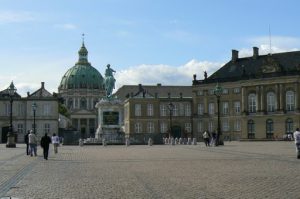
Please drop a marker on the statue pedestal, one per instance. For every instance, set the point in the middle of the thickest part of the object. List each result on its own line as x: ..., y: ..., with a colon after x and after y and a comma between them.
x: 110, y: 120
x: 11, y: 140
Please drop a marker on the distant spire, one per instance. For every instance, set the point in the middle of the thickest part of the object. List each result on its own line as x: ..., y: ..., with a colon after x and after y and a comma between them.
x: 82, y: 38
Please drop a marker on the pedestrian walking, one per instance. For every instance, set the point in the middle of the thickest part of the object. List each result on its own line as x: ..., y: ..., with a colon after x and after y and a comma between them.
x: 206, y: 138
x: 26, y: 139
x: 55, y: 142
x: 45, y: 141
x: 32, y: 140
x: 297, y: 142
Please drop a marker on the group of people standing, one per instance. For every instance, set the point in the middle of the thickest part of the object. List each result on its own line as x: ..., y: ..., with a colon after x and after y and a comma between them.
x: 31, y: 141
x: 209, y: 139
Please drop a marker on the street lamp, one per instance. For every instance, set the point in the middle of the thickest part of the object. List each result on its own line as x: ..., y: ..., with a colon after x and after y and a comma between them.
x: 218, y: 92
x: 171, y: 108
x: 34, y: 106
x: 11, y: 143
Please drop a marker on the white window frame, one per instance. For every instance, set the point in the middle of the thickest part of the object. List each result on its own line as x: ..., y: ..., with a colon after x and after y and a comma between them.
x: 237, y: 107
x: 188, y: 127
x: 187, y: 110
x: 47, y: 128
x: 200, y: 109
x: 271, y: 102
x: 138, y: 127
x: 163, y: 110
x: 149, y: 109
x: 211, y: 108
x: 252, y: 103
x: 290, y: 100
x: 138, y: 110
x: 163, y: 127
x: 150, y: 127
x: 225, y: 108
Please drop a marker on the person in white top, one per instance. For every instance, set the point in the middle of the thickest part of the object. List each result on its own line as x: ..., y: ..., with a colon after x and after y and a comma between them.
x: 55, y: 142
x: 297, y: 142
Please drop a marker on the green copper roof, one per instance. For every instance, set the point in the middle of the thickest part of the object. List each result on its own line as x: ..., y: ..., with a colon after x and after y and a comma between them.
x: 82, y: 75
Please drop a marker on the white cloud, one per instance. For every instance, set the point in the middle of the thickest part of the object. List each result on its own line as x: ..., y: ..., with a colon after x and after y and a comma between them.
x: 15, y: 17
x: 278, y: 44
x: 165, y: 74
x: 66, y: 26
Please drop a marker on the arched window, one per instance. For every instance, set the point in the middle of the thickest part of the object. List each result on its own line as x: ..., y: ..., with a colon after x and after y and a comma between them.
x: 290, y: 100
x: 252, y: 103
x: 251, y: 129
x: 289, y: 126
x: 271, y: 102
x: 269, y: 128
x: 82, y: 103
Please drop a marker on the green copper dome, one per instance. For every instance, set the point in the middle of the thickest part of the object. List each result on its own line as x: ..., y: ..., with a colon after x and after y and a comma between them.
x: 82, y: 75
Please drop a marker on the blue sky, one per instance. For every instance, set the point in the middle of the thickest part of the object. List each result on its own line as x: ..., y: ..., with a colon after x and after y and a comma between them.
x: 145, y: 41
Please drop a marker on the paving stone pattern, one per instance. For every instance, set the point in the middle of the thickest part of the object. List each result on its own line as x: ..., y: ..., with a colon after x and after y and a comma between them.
x: 236, y: 170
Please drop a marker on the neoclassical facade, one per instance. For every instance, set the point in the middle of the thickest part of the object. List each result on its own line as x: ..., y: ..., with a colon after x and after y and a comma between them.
x: 81, y: 87
x: 46, y: 114
x: 260, y: 97
x: 147, y: 109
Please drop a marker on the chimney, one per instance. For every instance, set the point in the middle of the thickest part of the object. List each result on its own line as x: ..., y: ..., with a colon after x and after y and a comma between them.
x: 156, y: 95
x: 28, y: 93
x: 43, y: 84
x: 169, y: 95
x: 255, y: 53
x: 180, y: 95
x: 235, y: 55
x: 159, y: 84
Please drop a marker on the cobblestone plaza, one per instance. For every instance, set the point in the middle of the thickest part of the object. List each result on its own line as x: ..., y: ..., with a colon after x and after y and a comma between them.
x: 236, y: 170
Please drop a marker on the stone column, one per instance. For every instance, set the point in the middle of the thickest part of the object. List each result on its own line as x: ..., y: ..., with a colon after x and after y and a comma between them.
x: 277, y: 97
x: 262, y: 96
x: 281, y: 98
x: 205, y: 111
x: 88, y: 103
x: 74, y: 104
x: 243, y: 99
x: 258, y: 97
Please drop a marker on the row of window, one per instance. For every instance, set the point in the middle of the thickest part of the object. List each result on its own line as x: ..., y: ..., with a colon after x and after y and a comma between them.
x: 82, y: 103
x: 164, y: 127
x: 225, y: 126
x: 45, y: 127
x: 178, y: 109
x: 45, y: 110
x: 225, y: 91
x: 252, y: 104
x: 272, y: 102
x: 289, y: 126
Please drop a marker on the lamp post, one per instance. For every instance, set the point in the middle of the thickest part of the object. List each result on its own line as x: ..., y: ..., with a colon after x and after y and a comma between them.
x: 171, y: 108
x: 11, y: 143
x: 34, y: 110
x: 218, y: 92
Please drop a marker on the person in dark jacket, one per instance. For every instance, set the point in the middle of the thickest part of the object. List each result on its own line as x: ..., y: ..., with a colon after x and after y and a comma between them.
x: 26, y: 139
x: 45, y: 141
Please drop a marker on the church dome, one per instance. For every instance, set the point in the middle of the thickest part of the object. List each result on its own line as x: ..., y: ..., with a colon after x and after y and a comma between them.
x: 83, y: 75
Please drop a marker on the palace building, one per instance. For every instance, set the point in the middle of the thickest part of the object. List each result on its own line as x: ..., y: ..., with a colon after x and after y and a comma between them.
x: 44, y: 120
x: 260, y: 97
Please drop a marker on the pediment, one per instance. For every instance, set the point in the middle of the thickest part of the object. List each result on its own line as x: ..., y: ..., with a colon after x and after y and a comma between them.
x: 270, y: 65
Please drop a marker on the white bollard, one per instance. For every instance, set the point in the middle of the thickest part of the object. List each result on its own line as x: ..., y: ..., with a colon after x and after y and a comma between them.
x: 180, y: 140
x: 150, y: 142
x: 194, y: 141
x: 173, y: 141
x: 127, y: 142
x: 80, y: 142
